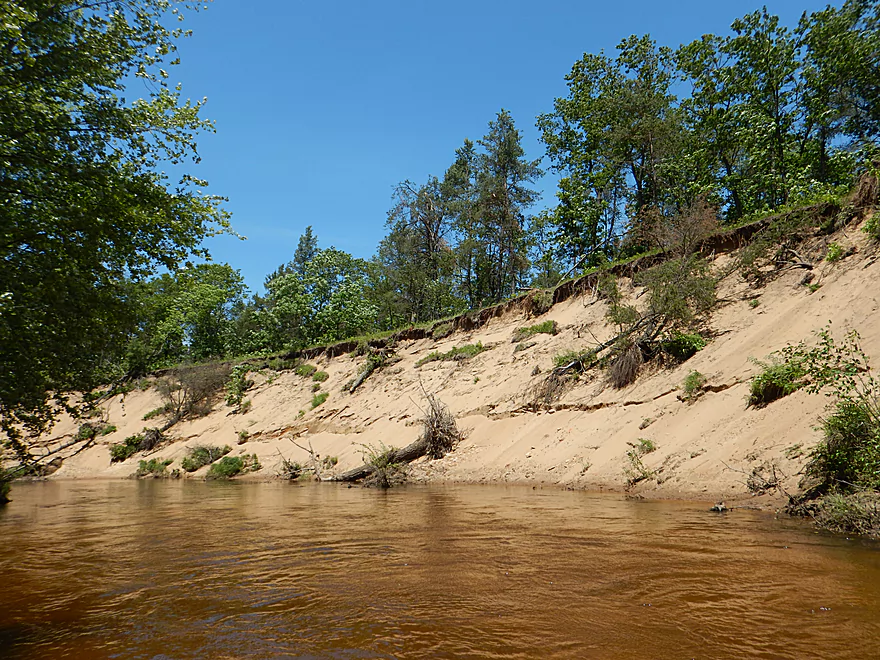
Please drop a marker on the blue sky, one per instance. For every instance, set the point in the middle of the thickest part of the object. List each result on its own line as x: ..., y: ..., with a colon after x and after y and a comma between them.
x: 322, y: 107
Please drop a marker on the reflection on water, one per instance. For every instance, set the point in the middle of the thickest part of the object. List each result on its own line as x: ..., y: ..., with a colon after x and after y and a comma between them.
x: 193, y: 570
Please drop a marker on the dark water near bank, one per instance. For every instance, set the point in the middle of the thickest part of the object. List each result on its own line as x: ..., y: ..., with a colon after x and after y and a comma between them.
x: 195, y: 570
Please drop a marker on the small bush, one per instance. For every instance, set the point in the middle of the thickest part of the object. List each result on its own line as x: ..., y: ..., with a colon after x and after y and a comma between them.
x: 539, y: 302
x: 680, y: 290
x: 305, y: 370
x: 778, y: 379
x: 457, y: 353
x: 226, y: 468
x: 386, y: 471
x: 320, y: 376
x: 238, y: 384
x: 547, y: 327
x: 857, y: 513
x: 318, y: 399
x: 108, y: 429
x: 290, y: 470
x: 230, y: 466
x: 636, y: 470
x: 329, y: 462
x: 692, y: 387
x: 202, y: 455
x: 190, y: 391
x: 442, y: 331
x: 144, y: 441
x: 155, y: 412
x: 155, y: 467
x: 645, y: 446
x: 86, y: 431
x: 682, y: 346
x: 279, y: 364
x: 243, y: 436
x: 835, y: 253
x: 245, y: 407
x: 754, y: 302
x: 848, y: 456
x: 316, y: 387
x: 121, y: 452
x: 567, y: 357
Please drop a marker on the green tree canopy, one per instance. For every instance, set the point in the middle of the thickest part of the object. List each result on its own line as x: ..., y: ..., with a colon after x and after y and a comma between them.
x: 83, y: 210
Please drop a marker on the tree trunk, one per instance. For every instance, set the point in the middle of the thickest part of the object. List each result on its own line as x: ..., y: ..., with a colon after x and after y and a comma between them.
x: 408, y: 454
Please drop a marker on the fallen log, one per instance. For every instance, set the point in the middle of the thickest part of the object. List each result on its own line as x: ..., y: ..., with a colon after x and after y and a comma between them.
x: 408, y: 454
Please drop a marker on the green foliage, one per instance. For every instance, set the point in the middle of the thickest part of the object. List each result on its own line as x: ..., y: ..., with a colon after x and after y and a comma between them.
x: 86, y: 432
x: 329, y: 462
x: 567, y: 357
x: 679, y: 290
x: 231, y: 466
x: 320, y: 376
x: 305, y: 370
x: 692, y: 387
x: 290, y: 470
x: 645, y: 446
x: 547, y: 327
x: 540, y: 302
x: 523, y: 346
x: 226, y: 468
x: 778, y: 378
x: 442, y: 331
x: 126, y: 449
x: 107, y: 429
x: 848, y: 513
x: 318, y: 399
x: 848, y: 456
x: 243, y: 436
x: 872, y: 227
x: 155, y: 412
x: 457, y: 353
x: 86, y: 212
x: 202, y: 455
x: 316, y: 387
x: 835, y: 253
x: 635, y: 470
x: 682, y: 346
x: 386, y: 470
x: 754, y: 302
x: 238, y: 384
x: 5, y: 486
x: 155, y: 467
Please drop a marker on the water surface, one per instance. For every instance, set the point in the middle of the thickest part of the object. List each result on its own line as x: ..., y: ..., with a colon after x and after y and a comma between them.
x: 156, y: 569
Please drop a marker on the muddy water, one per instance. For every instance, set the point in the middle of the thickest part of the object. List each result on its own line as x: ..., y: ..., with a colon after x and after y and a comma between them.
x: 194, y: 570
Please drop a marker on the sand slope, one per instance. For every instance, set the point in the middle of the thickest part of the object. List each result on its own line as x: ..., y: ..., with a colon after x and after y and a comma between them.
x: 704, y: 449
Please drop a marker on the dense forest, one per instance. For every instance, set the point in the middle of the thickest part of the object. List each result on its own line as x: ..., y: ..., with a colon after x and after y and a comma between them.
x: 767, y: 117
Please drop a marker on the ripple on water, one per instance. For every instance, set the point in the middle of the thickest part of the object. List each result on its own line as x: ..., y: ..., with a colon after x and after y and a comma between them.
x: 194, y: 570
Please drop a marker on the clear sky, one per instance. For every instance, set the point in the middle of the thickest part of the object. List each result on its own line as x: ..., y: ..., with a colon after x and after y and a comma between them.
x: 322, y: 107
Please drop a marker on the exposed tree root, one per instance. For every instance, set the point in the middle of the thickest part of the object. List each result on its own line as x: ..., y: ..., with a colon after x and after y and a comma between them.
x: 440, y: 435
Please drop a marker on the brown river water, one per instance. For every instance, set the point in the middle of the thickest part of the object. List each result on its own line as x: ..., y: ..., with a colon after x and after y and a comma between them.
x: 156, y: 569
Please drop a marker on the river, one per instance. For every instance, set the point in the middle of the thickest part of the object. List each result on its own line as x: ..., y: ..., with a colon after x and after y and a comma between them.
x: 166, y: 569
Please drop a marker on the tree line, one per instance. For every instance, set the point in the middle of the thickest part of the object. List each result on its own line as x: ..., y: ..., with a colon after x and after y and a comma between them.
x: 766, y: 117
